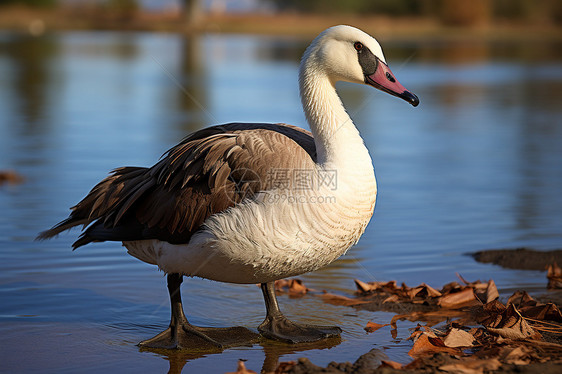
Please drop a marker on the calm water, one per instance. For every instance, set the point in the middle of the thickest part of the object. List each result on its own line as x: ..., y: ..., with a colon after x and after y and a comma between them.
x: 477, y: 165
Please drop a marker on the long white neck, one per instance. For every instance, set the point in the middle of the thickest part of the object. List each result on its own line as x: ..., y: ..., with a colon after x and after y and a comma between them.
x: 338, y: 142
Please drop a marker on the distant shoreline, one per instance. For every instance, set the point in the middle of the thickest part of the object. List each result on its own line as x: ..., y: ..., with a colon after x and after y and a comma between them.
x: 39, y: 21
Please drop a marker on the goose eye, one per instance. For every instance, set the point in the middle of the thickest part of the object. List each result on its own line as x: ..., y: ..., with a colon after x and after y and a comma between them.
x: 358, y: 46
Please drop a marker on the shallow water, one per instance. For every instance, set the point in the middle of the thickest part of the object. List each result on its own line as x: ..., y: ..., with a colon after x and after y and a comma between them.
x: 477, y: 165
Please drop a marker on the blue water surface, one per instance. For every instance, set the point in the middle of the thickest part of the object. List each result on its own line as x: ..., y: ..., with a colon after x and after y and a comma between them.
x: 477, y: 165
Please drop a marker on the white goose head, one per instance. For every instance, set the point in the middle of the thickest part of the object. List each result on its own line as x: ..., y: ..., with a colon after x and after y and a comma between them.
x: 345, y: 53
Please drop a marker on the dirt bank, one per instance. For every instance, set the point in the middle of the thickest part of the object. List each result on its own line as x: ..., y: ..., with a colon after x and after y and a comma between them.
x: 520, y: 258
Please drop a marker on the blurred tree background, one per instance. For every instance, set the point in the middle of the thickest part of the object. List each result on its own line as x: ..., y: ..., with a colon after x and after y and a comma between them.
x: 461, y: 13
x: 448, y: 12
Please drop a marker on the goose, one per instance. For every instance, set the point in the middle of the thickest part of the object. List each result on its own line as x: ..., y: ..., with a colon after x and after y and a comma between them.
x: 251, y: 203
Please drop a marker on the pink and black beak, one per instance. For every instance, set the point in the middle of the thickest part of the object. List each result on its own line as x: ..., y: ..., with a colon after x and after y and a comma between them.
x: 384, y: 80
x: 378, y: 75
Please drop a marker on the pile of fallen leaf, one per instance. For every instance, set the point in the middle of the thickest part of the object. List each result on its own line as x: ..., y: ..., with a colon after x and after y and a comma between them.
x: 522, y: 332
x: 480, y: 333
x: 452, y: 296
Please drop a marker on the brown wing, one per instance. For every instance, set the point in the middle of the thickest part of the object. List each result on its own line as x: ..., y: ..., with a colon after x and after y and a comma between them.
x: 209, y: 171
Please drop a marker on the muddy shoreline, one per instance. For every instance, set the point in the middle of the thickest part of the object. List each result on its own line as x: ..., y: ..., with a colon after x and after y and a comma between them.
x: 520, y: 258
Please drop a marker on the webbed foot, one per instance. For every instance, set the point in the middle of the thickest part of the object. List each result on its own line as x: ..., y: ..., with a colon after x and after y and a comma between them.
x: 187, y: 336
x: 283, y: 329
x: 276, y: 326
x: 183, y: 335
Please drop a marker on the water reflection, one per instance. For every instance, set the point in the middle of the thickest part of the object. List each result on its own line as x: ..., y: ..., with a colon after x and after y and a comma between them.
x: 29, y: 66
x: 475, y: 51
x: 272, y: 352
x: 540, y: 155
x: 192, y: 97
x: 476, y: 166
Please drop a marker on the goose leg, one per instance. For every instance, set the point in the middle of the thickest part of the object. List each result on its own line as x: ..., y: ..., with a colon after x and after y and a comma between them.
x: 277, y: 326
x: 183, y: 335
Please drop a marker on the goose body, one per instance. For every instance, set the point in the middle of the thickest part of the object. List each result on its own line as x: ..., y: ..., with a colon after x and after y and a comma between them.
x: 284, y: 230
x: 253, y: 203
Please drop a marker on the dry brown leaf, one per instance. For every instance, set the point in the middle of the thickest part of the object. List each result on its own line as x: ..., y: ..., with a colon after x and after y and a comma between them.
x: 521, y: 299
x: 438, y: 342
x: 416, y: 334
x: 390, y: 285
x: 414, y: 316
x: 491, y: 314
x: 458, y: 300
x: 519, y: 355
x: 241, y: 369
x: 494, y: 307
x: 373, y: 326
x: 390, y: 364
x: 391, y: 299
x: 471, y: 366
x: 480, y: 290
x: 515, y: 332
x: 362, y: 287
x: 458, y: 338
x: 413, y: 292
x: 431, y: 292
x: 493, y: 321
x: 423, y: 290
x: 396, y: 318
x: 280, y: 284
x: 10, y: 177
x: 514, y: 326
x: 284, y: 367
x: 491, y: 291
x: 546, y: 312
x: 460, y: 368
x: 426, y: 345
x: 451, y: 287
x: 365, y: 288
x: 554, y: 275
x: 485, y: 292
x: 531, y: 308
x: 295, y: 287
x: 429, y: 331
